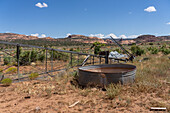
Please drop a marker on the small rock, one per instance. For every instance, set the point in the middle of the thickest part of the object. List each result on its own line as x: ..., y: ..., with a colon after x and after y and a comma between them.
x: 33, y: 64
x: 37, y: 108
x: 94, y: 89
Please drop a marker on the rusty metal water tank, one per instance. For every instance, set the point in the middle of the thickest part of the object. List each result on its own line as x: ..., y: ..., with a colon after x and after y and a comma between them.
x: 101, y: 75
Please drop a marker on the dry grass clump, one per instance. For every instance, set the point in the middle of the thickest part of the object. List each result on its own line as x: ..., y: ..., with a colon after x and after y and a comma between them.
x: 35, y: 88
x: 113, y: 90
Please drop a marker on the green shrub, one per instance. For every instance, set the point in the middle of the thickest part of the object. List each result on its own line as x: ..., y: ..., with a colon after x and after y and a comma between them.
x: 33, y: 76
x: 118, y: 50
x: 166, y: 51
x: 24, y: 58
x: 33, y: 56
x: 71, y: 49
x: 1, y: 70
x: 150, y: 43
x: 41, y: 57
x: 11, y: 70
x: 59, y: 55
x: 136, y: 50
x: 97, y: 47
x: 149, y: 48
x: 6, y: 81
x: 78, y: 49
x: 133, y: 44
x: 154, y: 50
x: 27, y: 57
x: 7, y: 60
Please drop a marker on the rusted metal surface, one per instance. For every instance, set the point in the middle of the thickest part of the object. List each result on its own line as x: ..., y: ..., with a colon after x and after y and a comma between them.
x: 102, y: 75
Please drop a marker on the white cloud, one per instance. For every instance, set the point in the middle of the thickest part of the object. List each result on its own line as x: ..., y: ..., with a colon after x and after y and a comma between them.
x: 45, y: 5
x: 133, y: 36
x: 111, y: 34
x: 42, y: 36
x: 97, y: 35
x: 168, y: 23
x: 123, y: 36
x: 150, y: 9
x: 114, y: 36
x: 36, y: 34
x: 41, y: 5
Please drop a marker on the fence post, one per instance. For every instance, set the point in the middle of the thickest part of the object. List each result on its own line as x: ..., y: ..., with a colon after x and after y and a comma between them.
x: 93, y: 60
x: 46, y: 61
x: 78, y: 60
x: 106, y: 57
x: 71, y: 59
x: 52, y: 61
x: 18, y: 52
x: 100, y: 59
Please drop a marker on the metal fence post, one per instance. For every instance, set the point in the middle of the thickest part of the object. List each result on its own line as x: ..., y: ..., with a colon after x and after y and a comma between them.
x: 78, y: 60
x: 71, y: 59
x: 106, y: 58
x: 52, y: 61
x: 100, y: 59
x: 18, y: 52
x: 46, y: 61
x: 93, y: 60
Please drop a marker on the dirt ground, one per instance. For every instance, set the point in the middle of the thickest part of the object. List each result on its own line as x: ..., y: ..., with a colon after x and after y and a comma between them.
x: 63, y: 95
x: 51, y: 96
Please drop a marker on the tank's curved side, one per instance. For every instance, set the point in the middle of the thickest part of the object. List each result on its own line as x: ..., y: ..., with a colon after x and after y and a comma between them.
x: 97, y: 78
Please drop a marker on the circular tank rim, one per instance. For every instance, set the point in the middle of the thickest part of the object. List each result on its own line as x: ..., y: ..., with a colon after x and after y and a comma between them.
x: 84, y: 68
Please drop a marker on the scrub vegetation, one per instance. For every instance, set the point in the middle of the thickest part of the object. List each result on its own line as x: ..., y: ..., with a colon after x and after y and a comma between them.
x: 57, y: 94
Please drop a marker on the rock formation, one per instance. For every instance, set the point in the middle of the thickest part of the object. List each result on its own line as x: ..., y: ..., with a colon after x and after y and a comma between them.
x: 13, y: 36
x: 85, y: 39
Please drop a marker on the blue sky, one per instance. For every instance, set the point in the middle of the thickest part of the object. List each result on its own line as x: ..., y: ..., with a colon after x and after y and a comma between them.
x: 58, y: 18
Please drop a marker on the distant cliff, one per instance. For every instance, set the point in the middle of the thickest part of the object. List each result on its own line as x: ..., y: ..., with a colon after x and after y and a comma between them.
x: 85, y: 39
x: 13, y: 36
x: 145, y: 39
x: 151, y: 38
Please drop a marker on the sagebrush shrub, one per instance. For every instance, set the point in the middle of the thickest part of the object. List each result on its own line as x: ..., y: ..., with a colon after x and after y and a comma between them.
x: 154, y: 50
x: 11, y: 70
x: 33, y: 76
x: 166, y: 51
x: 6, y: 81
